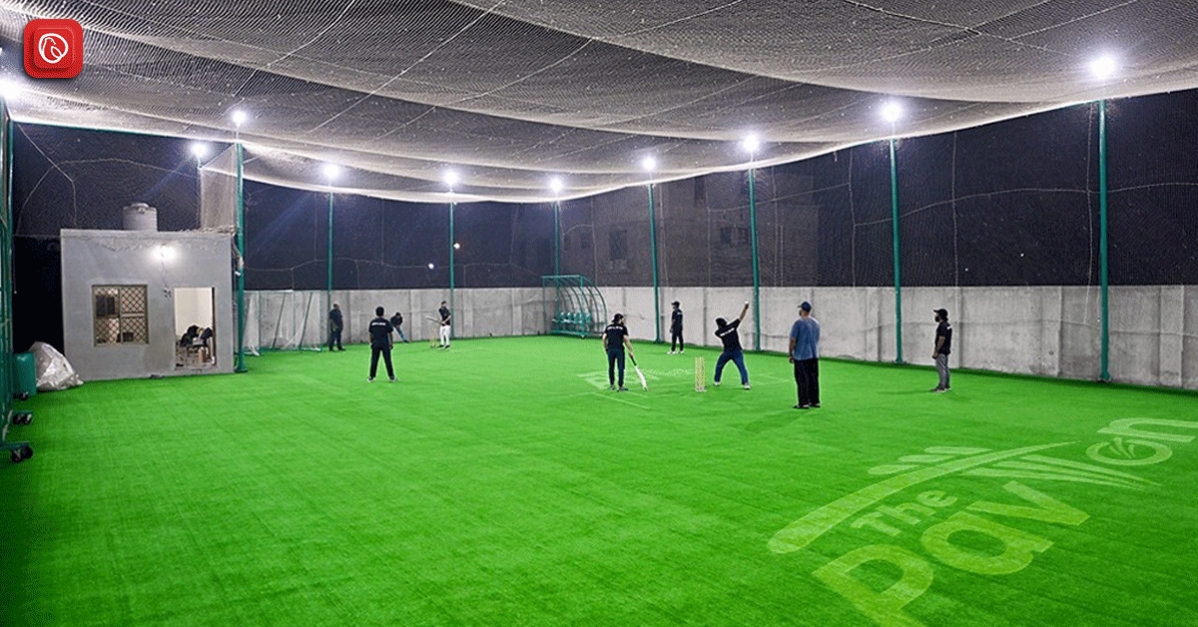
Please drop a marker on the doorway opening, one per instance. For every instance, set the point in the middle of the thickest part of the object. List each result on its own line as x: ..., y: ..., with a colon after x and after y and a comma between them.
x: 195, y: 327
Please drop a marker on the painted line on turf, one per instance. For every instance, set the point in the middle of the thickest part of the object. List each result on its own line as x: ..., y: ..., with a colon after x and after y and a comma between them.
x: 609, y: 396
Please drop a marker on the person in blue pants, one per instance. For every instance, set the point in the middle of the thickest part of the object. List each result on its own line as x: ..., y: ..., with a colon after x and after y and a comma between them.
x: 727, y: 332
x: 396, y: 321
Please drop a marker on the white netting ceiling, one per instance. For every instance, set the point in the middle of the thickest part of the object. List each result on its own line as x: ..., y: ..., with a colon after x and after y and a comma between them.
x: 511, y: 93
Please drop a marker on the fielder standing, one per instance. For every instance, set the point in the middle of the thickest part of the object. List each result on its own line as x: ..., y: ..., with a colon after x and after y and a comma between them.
x: 804, y: 354
x: 380, y: 342
x: 944, y: 345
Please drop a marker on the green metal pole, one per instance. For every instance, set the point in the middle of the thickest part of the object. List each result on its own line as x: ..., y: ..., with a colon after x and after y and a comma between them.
x: 557, y: 238
x: 329, y: 288
x: 1105, y: 374
x: 9, y: 268
x: 240, y: 367
x: 653, y: 251
x: 756, y: 264
x: 898, y: 284
x: 452, y: 311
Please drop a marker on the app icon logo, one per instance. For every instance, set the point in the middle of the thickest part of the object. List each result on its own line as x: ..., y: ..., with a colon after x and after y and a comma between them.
x: 53, y: 48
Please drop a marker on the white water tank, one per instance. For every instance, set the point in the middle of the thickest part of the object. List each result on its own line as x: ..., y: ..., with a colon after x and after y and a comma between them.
x: 140, y: 217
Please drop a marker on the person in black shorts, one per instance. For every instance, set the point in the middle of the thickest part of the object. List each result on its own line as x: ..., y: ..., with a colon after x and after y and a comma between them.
x: 615, y: 338
x: 676, y: 329
x: 380, y: 342
x: 727, y: 333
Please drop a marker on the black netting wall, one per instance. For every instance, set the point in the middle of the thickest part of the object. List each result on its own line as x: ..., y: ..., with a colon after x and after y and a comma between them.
x: 379, y: 244
x: 1153, y: 160
x: 1012, y: 203
x: 78, y: 179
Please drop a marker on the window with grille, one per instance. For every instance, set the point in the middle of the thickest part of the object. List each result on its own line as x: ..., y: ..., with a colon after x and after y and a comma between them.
x: 120, y: 314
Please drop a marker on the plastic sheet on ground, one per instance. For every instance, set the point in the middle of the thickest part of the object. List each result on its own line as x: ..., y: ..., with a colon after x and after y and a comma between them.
x: 54, y: 372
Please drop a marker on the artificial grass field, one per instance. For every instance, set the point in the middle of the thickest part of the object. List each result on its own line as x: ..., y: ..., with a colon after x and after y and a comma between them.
x: 498, y: 483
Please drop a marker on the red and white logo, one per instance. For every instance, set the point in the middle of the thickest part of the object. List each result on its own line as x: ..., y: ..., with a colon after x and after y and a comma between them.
x: 53, y: 48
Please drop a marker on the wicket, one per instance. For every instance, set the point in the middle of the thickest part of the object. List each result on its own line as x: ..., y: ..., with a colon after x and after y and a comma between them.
x: 700, y: 374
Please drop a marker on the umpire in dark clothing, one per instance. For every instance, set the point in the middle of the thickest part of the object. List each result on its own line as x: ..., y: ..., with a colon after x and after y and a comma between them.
x: 380, y: 342
x: 676, y: 328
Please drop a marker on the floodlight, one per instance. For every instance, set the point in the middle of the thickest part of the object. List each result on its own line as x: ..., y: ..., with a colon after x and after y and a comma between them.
x: 556, y: 184
x: 166, y: 253
x: 9, y: 90
x: 431, y: 266
x: 751, y: 143
x: 456, y: 246
x: 1103, y: 66
x: 451, y: 178
x: 892, y: 111
x: 200, y: 149
x: 649, y: 164
x: 239, y: 117
x: 331, y: 170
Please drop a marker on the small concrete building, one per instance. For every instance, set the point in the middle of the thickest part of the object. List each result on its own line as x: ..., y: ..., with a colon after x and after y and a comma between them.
x: 142, y: 303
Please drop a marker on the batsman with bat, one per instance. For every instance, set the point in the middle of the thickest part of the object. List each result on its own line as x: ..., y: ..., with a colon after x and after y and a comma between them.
x: 615, y: 339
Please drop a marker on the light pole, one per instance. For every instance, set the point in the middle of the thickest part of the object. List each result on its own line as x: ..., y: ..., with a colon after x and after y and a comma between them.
x: 1103, y: 68
x: 451, y: 179
x: 239, y: 119
x: 650, y: 164
x: 892, y: 111
x: 751, y: 144
x: 556, y: 185
x: 330, y: 172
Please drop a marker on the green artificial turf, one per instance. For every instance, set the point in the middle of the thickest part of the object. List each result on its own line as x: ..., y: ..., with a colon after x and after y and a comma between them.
x: 500, y: 483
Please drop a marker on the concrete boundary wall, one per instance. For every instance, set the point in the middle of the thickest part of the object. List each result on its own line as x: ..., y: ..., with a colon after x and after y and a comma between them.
x: 1050, y: 331
x: 477, y: 312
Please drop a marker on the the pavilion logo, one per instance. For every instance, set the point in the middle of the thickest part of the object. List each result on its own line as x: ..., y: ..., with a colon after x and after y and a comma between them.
x: 939, y: 516
x: 53, y: 48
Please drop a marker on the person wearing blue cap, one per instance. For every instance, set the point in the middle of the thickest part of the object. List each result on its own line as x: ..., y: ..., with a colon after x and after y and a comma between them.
x: 804, y: 354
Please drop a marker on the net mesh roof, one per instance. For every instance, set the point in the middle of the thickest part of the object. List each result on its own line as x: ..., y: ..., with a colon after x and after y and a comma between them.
x: 512, y: 93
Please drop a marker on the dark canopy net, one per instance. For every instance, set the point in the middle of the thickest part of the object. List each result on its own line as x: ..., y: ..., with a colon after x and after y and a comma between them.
x: 511, y: 92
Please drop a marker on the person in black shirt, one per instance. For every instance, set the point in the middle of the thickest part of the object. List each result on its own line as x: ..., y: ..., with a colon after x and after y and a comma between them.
x: 380, y: 342
x: 944, y: 345
x: 397, y: 320
x: 676, y: 329
x: 335, y: 326
x: 444, y: 330
x: 732, y: 351
x: 615, y: 338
